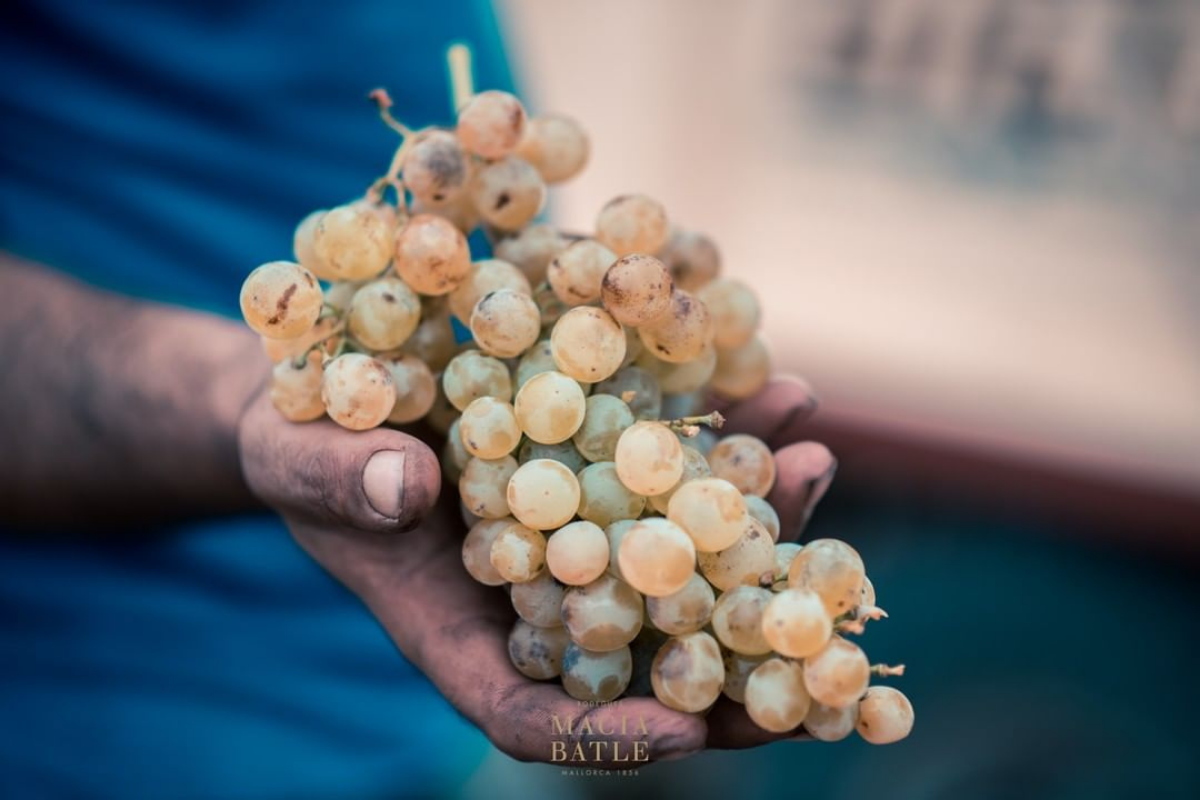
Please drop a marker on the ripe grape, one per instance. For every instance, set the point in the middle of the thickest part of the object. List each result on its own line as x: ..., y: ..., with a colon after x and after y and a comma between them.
x: 416, y: 388
x: 711, y: 510
x: 682, y: 333
x: 548, y: 303
x: 354, y: 242
x: 587, y: 344
x: 556, y: 145
x: 575, y: 274
x: 486, y: 276
x: 537, y: 653
x: 489, y: 428
x: 657, y: 557
x: 745, y: 563
x: 649, y: 458
x: 435, y: 168
x: 688, y: 672
x: 684, y: 611
x: 737, y: 672
x: 605, y: 418
x: 508, y: 193
x: 459, y: 211
x: 632, y: 223
x: 795, y: 623
x: 383, y: 314
x: 432, y: 255
x: 737, y: 620
x: 550, y: 407
x: 281, y: 300
x: 735, y: 311
x: 636, y: 289
x: 531, y: 250
x: 785, y: 553
x: 765, y: 513
x: 518, y: 553
x: 837, y: 674
x: 596, y: 677
x: 680, y: 379
x: 743, y: 372
x: 477, y: 550
x: 491, y: 124
x: 471, y: 375
x: 616, y: 534
x: 302, y: 246
x: 695, y: 466
x: 296, y: 390
x: 832, y: 569
x: 775, y: 695
x: 885, y: 715
x: 646, y: 399
x: 432, y: 341
x: 357, y: 391
x: 692, y: 258
x: 828, y: 724
x: 536, y: 360
x: 543, y: 494
x: 505, y: 323
x: 577, y: 553
x: 603, y: 499
x: 604, y: 615
x: 454, y: 455
x: 483, y: 486
x: 746, y: 462
x: 563, y: 452
x: 868, y: 592
x: 539, y: 601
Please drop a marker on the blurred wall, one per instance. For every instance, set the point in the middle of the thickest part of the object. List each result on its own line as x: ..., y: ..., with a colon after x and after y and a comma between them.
x: 973, y: 220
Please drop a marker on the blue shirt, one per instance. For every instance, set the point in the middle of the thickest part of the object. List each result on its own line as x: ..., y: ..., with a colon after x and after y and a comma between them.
x: 164, y: 150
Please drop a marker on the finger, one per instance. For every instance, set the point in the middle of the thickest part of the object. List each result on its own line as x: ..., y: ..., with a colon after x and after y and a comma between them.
x: 379, y: 480
x: 776, y: 414
x: 730, y: 728
x: 803, y: 474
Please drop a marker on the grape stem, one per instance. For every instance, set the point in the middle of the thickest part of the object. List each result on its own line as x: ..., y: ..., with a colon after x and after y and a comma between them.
x: 462, y: 79
x: 298, y: 362
x: 854, y: 620
x: 690, y: 426
x: 383, y: 101
x: 886, y: 671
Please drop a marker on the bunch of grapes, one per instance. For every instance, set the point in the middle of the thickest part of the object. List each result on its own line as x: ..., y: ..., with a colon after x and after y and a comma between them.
x: 636, y: 545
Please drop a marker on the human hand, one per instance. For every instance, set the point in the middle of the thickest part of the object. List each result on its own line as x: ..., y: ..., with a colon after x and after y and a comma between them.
x: 366, y: 506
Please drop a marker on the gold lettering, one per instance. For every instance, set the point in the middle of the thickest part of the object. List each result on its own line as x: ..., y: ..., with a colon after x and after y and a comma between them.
x: 578, y: 754
x: 585, y: 725
x: 641, y: 750
x: 558, y: 751
x: 616, y: 752
x: 557, y: 725
x: 642, y: 729
x: 600, y: 727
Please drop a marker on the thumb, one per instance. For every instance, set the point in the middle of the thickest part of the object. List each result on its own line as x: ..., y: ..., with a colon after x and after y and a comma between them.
x: 379, y: 480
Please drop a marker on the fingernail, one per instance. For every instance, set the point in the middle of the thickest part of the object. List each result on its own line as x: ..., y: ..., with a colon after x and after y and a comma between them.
x: 383, y: 482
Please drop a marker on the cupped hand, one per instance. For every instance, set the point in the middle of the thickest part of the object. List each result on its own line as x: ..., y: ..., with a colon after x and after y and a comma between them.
x: 366, y: 506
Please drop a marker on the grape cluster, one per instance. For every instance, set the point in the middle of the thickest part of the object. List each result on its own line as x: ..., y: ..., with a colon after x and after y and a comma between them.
x: 636, y: 545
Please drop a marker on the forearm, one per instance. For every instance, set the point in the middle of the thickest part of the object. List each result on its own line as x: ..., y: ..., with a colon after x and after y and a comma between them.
x: 116, y: 409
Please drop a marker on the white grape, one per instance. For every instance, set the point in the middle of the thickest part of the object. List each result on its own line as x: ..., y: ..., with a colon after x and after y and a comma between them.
x: 596, y: 677
x: 543, y: 494
x: 737, y: 620
x: 605, y: 419
x: 550, y: 407
x: 603, y: 499
x: 837, y: 674
x: 296, y: 390
x: 632, y: 223
x: 358, y: 391
x: 505, y: 323
x: 489, y: 428
x: 508, y: 193
x: 539, y: 601
x: 711, y: 510
x: 485, y: 277
x: 746, y: 462
x: 657, y: 557
x: 518, y: 553
x: 537, y: 652
x: 483, y: 486
x: 747, y: 562
x: 556, y: 145
x: 688, y: 672
x: 604, y: 615
x: 775, y: 696
x: 354, y: 242
x: 795, y: 623
x: 587, y: 344
x: 471, y: 375
x: 416, y: 388
x: 491, y: 124
x: 432, y: 255
x: 281, y: 300
x: 576, y: 273
x: 684, y: 611
x: 477, y: 550
x: 885, y: 715
x: 577, y: 553
x: 649, y: 458
x: 636, y: 289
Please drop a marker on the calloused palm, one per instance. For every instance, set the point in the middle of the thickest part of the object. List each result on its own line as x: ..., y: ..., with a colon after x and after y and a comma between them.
x: 366, y: 506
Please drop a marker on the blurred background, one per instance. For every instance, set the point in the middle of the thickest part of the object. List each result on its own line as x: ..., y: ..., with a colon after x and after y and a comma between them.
x: 975, y: 227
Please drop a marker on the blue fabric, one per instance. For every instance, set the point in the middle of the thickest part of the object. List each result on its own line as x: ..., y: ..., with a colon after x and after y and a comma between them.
x: 163, y: 150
